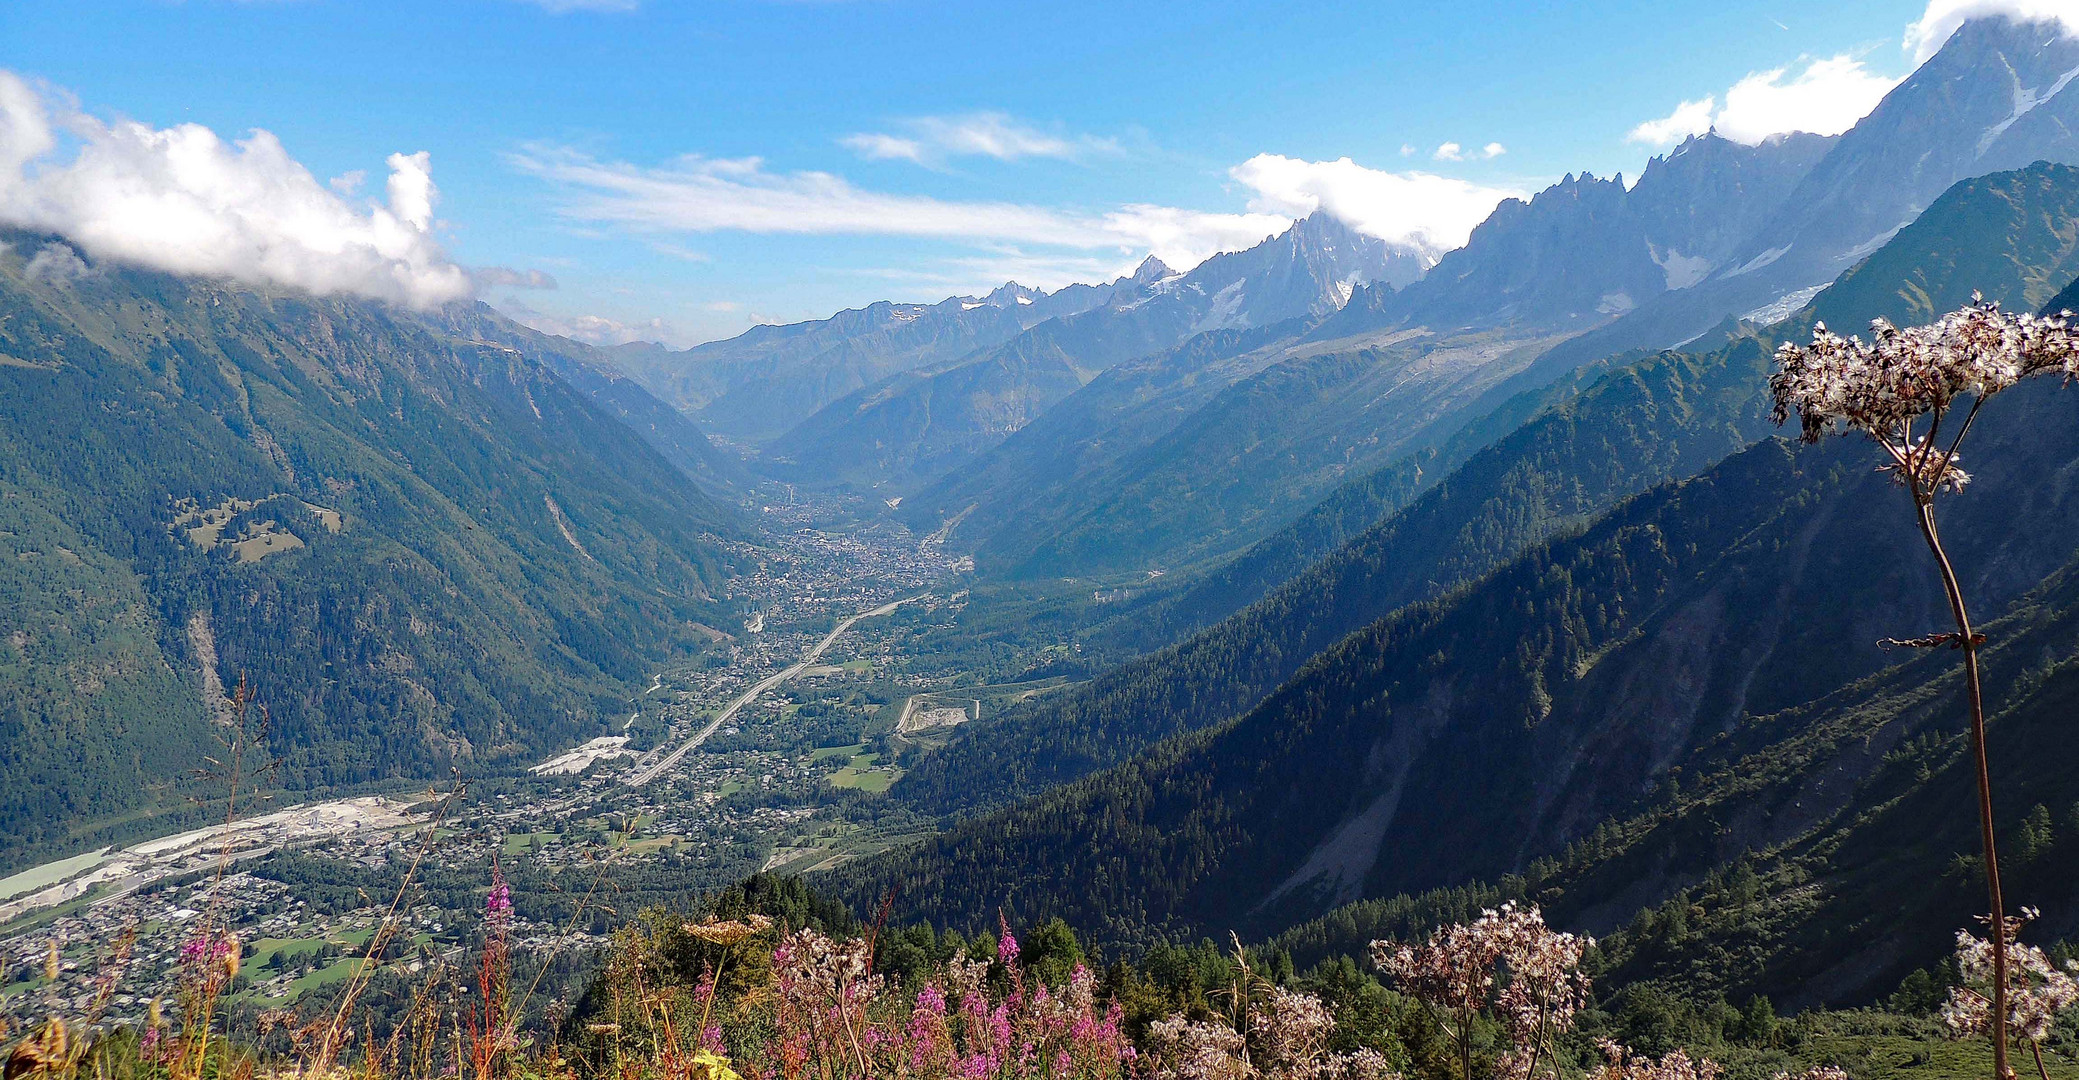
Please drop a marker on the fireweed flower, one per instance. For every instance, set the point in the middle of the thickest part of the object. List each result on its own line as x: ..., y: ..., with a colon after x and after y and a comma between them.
x: 498, y: 905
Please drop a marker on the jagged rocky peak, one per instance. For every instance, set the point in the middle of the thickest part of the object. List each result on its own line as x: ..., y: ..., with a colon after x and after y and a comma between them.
x: 1151, y: 270
x: 1701, y: 200
x: 1012, y: 294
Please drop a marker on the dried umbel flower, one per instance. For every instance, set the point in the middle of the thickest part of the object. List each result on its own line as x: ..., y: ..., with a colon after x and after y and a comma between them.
x: 1816, y: 1072
x: 1287, y: 1039
x: 1198, y: 1050
x: 1880, y: 387
x: 728, y: 932
x: 1508, y: 963
x: 1620, y: 1063
x: 2037, y: 989
x: 1899, y: 388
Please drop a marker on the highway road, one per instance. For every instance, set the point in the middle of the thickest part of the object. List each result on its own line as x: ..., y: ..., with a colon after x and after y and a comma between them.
x: 651, y: 772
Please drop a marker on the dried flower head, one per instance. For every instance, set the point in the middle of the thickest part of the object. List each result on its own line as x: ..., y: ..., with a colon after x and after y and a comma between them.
x: 1883, y: 386
x: 1621, y: 1063
x: 2037, y: 989
x: 728, y: 931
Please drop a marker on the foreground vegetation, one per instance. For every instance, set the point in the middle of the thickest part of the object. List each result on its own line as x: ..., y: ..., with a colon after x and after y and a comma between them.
x: 769, y: 980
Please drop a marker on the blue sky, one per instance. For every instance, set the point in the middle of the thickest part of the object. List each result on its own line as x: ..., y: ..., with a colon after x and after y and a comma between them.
x: 682, y: 169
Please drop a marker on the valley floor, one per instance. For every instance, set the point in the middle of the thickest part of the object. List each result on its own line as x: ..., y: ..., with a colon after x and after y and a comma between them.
x: 767, y: 752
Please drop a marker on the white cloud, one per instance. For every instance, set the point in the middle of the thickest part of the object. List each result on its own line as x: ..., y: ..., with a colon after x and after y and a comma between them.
x: 1689, y: 118
x: 1826, y: 98
x: 880, y: 147
x: 1452, y: 151
x: 679, y: 251
x: 1942, y: 17
x: 56, y: 264
x: 1420, y: 210
x: 183, y: 200
x: 929, y: 139
x: 700, y: 195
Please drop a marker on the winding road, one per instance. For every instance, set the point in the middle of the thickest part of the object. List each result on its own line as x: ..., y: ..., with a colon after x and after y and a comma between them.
x: 645, y: 775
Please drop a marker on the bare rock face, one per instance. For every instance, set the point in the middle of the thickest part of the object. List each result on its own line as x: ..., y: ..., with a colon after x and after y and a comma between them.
x: 1587, y: 250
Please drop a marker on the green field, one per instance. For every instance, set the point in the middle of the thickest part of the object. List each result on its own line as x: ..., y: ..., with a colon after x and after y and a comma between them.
x: 860, y: 773
x: 518, y: 844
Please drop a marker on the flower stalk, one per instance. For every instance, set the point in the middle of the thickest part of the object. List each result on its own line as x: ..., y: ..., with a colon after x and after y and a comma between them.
x: 1888, y: 388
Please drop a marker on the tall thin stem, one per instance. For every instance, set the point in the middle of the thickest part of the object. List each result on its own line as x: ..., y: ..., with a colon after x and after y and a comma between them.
x: 1926, y: 513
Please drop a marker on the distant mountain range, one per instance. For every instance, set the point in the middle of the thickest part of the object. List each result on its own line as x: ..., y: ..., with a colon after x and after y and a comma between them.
x: 1168, y: 422
x: 756, y: 386
x: 930, y: 421
x: 1997, y: 96
x: 1223, y: 451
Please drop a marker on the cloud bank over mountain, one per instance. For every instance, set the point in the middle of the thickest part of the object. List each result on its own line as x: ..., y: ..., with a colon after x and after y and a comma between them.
x: 1825, y: 97
x: 1943, y: 17
x: 184, y: 200
x: 1419, y: 210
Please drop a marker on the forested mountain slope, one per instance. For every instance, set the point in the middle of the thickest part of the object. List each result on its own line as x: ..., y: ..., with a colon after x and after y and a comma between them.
x: 1757, y: 866
x: 1667, y: 416
x: 719, y: 473
x: 1466, y: 737
x: 423, y: 550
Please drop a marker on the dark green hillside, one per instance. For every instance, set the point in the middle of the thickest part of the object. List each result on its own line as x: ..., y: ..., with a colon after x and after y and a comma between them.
x: 1666, y: 416
x: 1050, y: 463
x: 424, y: 550
x: 1350, y: 510
x: 1261, y: 452
x: 1454, y: 741
x: 1823, y: 853
x: 2013, y: 236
